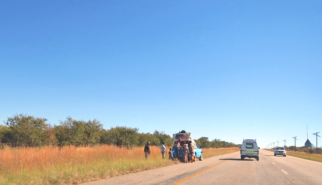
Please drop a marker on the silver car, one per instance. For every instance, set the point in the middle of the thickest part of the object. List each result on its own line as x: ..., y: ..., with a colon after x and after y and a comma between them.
x: 279, y: 151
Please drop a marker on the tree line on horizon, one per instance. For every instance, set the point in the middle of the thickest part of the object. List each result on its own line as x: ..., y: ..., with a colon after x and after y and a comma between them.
x: 28, y: 131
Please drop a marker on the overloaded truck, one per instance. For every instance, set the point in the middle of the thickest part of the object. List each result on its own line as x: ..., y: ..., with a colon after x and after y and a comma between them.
x: 184, y: 148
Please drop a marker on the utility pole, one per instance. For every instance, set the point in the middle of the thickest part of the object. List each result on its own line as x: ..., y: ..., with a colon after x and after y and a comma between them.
x: 317, y: 135
x: 295, y: 140
x: 284, y: 142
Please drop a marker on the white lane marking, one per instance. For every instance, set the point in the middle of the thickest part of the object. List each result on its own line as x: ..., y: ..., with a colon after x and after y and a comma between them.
x: 273, y: 163
x: 284, y: 171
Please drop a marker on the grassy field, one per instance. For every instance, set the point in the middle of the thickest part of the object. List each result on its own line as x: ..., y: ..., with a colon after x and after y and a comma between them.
x: 210, y: 152
x: 314, y: 157
x: 73, y: 165
x: 304, y: 155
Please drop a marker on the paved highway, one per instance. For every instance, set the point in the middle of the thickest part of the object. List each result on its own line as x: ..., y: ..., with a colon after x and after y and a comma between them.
x: 229, y: 169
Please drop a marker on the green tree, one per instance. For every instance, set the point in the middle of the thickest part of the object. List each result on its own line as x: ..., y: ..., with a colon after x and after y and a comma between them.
x: 63, y: 132
x: 93, y: 132
x: 27, y: 130
x: 75, y: 132
x: 78, y: 133
x: 104, y: 137
x: 122, y: 136
x: 203, y: 142
x: 4, y: 132
x: 145, y: 137
x: 162, y: 137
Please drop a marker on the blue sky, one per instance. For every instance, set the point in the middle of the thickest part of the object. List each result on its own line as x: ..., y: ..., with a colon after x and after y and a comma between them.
x: 229, y: 70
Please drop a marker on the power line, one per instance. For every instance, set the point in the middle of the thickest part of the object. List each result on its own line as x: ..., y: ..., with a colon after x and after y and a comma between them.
x: 317, y: 135
x: 295, y: 140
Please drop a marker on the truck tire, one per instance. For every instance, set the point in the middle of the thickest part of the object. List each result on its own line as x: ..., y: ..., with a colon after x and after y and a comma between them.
x: 242, y: 157
x: 201, y: 158
x: 257, y: 158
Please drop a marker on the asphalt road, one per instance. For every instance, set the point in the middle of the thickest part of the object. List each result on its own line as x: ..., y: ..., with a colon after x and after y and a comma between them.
x: 229, y: 169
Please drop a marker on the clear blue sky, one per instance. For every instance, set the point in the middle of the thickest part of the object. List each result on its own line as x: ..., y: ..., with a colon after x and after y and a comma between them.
x: 223, y: 69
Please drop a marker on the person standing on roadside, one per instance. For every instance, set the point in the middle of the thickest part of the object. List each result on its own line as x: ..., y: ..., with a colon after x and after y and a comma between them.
x: 178, y: 147
x: 147, y: 150
x: 170, y: 154
x: 163, y: 150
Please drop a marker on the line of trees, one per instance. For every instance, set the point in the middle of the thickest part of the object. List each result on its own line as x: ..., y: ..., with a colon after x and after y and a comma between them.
x: 25, y: 130
x: 216, y: 143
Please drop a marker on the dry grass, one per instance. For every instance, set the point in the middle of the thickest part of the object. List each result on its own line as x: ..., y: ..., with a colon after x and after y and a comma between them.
x: 70, y: 165
x: 304, y: 155
x: 314, y: 157
x: 210, y: 152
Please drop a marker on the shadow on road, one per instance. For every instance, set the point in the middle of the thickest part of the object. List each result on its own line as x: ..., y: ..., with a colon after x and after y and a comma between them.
x: 235, y: 159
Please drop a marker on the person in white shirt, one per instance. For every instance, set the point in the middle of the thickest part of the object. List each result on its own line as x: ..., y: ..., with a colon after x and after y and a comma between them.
x: 170, y: 154
x: 163, y: 150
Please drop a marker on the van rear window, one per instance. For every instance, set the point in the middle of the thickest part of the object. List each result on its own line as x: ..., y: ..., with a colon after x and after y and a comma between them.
x: 249, y: 145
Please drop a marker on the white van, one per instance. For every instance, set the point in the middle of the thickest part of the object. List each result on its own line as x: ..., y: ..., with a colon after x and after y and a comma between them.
x: 249, y: 149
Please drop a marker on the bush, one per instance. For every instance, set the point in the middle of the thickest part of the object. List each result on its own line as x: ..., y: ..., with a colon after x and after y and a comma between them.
x: 26, y: 131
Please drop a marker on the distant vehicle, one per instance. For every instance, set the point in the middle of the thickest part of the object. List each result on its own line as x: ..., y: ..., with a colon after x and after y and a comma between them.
x: 279, y: 151
x: 184, y: 138
x: 249, y: 149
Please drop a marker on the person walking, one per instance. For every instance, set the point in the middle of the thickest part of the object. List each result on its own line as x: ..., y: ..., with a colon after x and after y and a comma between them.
x: 163, y: 150
x: 147, y: 150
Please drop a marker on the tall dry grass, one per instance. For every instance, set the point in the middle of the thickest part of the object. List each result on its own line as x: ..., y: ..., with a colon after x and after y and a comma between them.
x: 304, y: 155
x: 210, y: 152
x: 53, y: 165
x: 70, y: 165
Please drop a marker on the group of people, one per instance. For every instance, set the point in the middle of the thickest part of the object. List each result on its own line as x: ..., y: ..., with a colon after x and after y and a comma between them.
x: 187, y: 148
x: 147, y: 150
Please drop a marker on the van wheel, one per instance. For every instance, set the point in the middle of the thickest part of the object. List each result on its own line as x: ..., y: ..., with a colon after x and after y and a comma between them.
x: 284, y: 155
x: 257, y: 158
x: 201, y: 158
x: 274, y: 154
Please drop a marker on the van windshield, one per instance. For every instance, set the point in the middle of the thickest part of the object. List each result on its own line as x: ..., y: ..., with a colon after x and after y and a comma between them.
x: 249, y: 145
x: 279, y: 148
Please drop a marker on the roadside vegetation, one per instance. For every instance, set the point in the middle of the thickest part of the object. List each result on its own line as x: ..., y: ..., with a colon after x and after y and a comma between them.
x: 32, y: 151
x: 28, y: 131
x: 73, y: 165
x: 210, y: 152
x: 305, y: 153
x: 304, y: 149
